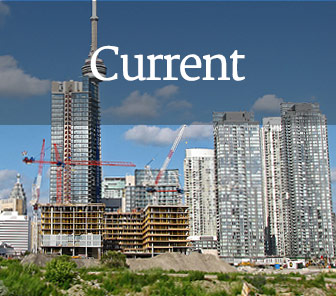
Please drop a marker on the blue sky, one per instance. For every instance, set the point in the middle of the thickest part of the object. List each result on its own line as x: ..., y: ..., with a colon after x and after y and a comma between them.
x: 289, y: 48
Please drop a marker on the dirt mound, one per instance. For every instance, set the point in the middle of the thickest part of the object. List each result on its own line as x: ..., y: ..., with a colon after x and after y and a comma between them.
x: 43, y: 259
x: 179, y: 262
x: 37, y: 259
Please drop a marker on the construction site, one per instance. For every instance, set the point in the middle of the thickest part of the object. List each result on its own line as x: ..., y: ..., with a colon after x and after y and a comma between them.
x: 155, y: 223
x: 74, y: 230
x: 86, y: 230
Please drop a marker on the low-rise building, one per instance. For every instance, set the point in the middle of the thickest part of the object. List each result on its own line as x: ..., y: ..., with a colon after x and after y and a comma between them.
x: 154, y: 230
x: 72, y: 229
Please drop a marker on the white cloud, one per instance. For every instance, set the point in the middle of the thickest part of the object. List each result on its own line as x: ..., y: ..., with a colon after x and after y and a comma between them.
x: 4, y: 10
x: 148, y: 106
x: 178, y: 105
x: 333, y: 175
x: 267, y: 103
x: 7, y: 181
x: 136, y: 105
x: 14, y: 82
x: 167, y: 91
x: 157, y: 136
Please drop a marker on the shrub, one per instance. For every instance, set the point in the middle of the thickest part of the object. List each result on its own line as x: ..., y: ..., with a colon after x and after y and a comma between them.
x: 114, y: 259
x: 258, y: 281
x: 60, y: 271
x: 195, y: 276
x: 31, y: 269
x: 223, y: 277
x: 3, y: 289
x: 19, y: 282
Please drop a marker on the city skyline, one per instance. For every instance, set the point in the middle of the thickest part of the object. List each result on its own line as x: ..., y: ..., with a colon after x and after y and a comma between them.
x: 262, y: 93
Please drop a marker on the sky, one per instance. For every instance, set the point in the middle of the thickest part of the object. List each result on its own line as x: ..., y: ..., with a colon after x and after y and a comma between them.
x: 289, y: 49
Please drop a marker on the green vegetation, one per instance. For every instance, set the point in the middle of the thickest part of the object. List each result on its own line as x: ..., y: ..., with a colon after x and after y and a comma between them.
x: 62, y: 277
x: 60, y: 271
x: 23, y: 280
x: 114, y: 259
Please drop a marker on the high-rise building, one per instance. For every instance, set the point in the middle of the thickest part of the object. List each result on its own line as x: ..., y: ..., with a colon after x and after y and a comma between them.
x: 17, y: 200
x: 240, y: 227
x: 306, y: 178
x: 272, y: 186
x: 199, y: 191
x: 114, y: 192
x: 75, y: 129
x: 14, y: 230
x: 167, y: 191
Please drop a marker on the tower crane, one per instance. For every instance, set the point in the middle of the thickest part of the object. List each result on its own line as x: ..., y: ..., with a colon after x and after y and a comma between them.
x: 66, y: 164
x: 36, y: 196
x: 153, y: 188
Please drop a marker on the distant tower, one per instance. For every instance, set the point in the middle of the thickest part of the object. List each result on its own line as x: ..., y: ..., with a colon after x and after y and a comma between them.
x: 86, y: 69
x: 306, y: 178
x: 20, y: 196
x: 272, y: 186
x: 75, y: 129
x: 199, y: 191
x: 240, y: 227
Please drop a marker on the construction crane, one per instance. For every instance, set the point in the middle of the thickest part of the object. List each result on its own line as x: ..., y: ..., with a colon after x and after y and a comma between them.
x: 38, y: 180
x: 35, y: 198
x: 65, y: 166
x: 153, y: 188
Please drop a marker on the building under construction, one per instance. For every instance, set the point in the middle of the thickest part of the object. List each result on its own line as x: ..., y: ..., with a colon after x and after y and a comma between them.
x: 87, y: 229
x: 156, y: 229
x: 74, y: 230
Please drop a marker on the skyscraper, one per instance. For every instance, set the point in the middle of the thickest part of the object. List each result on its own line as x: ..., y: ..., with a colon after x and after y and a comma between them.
x: 306, y: 178
x: 272, y: 186
x: 139, y: 197
x: 199, y: 191
x: 75, y: 129
x: 240, y: 227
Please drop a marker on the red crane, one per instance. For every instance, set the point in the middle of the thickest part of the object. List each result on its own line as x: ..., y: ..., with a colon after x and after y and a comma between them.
x: 66, y: 165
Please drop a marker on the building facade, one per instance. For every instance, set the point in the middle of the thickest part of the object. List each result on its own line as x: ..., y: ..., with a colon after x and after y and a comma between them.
x: 306, y: 178
x: 238, y: 177
x: 17, y: 200
x: 150, y: 231
x: 272, y: 186
x: 72, y: 229
x: 14, y: 231
x: 167, y: 191
x: 199, y: 191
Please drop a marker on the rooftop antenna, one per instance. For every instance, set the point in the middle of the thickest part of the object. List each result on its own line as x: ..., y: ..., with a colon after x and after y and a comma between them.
x: 86, y: 69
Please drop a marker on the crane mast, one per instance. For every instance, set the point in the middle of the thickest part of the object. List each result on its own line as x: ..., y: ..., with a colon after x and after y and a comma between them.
x: 170, y: 154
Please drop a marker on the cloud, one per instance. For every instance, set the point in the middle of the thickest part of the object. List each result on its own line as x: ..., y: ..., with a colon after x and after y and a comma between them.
x: 136, y: 105
x: 177, y: 105
x: 14, y: 82
x: 7, y: 181
x: 4, y: 10
x: 267, y: 104
x: 167, y: 91
x: 333, y: 175
x: 157, y: 136
x: 147, y: 106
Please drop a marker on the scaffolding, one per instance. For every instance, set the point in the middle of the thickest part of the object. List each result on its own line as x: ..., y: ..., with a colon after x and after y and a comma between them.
x: 152, y: 231
x: 72, y: 229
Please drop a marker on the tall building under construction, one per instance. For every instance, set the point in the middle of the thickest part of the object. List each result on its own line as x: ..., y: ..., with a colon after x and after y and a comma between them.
x: 75, y: 132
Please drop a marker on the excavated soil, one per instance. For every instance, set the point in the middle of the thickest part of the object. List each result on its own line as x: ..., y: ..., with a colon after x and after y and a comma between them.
x: 180, y: 262
x: 42, y: 260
